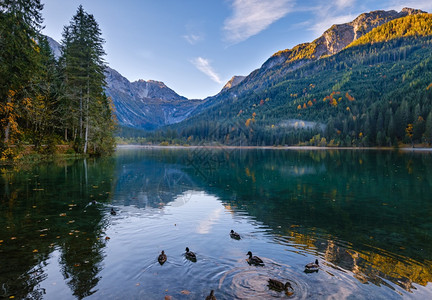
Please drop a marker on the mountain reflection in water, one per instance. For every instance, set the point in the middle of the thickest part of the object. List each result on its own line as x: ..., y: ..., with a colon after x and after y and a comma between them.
x: 366, y: 215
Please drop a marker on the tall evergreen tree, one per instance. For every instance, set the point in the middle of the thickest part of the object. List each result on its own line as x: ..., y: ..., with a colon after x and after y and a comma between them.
x: 20, y: 23
x: 85, y: 105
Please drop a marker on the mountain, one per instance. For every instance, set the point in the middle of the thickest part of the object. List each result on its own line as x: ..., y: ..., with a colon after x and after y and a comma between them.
x: 336, y: 37
x: 376, y: 91
x: 235, y: 80
x: 146, y: 104
x: 55, y: 47
x: 332, y: 41
x: 142, y: 104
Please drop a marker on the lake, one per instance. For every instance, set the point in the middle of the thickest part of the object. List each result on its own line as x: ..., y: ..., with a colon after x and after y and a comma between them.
x: 366, y: 215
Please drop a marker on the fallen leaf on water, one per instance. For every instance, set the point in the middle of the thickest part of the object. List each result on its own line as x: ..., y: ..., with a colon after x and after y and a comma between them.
x: 12, y: 297
x: 1, y: 241
x: 95, y: 187
x: 107, y: 238
x: 62, y: 215
x: 57, y: 237
x: 13, y: 238
x: 72, y: 221
x: 137, y: 284
x: 35, y: 251
x: 185, y: 292
x: 42, y: 235
x: 77, y: 265
x: 70, y: 233
x: 34, y: 206
x: 72, y: 205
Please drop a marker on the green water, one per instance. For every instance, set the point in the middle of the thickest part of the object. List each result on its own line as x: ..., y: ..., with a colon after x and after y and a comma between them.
x: 365, y: 215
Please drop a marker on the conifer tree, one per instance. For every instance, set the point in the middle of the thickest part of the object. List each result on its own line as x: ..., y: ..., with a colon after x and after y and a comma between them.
x: 20, y: 23
x: 87, y: 110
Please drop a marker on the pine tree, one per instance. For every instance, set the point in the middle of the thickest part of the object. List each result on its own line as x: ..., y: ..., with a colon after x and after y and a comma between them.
x: 42, y: 115
x: 20, y: 23
x: 83, y: 67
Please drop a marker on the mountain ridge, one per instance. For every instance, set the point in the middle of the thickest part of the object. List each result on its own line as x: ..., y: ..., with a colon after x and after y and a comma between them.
x: 331, y: 42
x: 378, y: 93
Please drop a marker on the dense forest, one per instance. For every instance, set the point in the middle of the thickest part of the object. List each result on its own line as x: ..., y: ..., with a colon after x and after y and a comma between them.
x: 46, y: 102
x: 377, y: 92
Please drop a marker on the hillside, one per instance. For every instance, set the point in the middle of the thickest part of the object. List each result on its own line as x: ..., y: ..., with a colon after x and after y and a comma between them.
x: 375, y: 93
x: 413, y: 25
x: 332, y: 41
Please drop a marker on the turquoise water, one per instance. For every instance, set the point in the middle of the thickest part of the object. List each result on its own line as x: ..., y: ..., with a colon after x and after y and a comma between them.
x: 365, y: 215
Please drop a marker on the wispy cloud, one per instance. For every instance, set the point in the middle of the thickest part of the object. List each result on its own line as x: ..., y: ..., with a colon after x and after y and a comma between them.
x: 193, y: 38
x: 250, y: 17
x: 344, y: 3
x: 336, y: 12
x: 204, y: 66
x: 326, y: 22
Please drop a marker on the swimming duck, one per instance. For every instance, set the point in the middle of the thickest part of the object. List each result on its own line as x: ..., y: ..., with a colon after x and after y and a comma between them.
x: 211, y: 296
x: 162, y: 258
x: 254, y: 260
x: 279, y: 286
x: 113, y: 212
x: 190, y: 255
x: 234, y: 235
x: 312, y: 267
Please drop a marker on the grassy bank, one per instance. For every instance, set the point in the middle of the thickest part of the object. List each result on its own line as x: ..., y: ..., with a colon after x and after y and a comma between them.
x: 28, y: 154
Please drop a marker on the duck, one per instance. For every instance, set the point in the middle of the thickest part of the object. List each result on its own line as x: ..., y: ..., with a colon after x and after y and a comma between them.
x: 162, y: 258
x: 254, y: 260
x: 234, y: 235
x: 113, y: 212
x: 211, y: 296
x: 279, y: 286
x: 190, y: 255
x: 312, y: 267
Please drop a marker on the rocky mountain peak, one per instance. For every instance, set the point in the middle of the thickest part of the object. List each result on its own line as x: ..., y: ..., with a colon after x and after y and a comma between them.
x: 235, y: 80
x: 336, y: 38
x: 412, y: 11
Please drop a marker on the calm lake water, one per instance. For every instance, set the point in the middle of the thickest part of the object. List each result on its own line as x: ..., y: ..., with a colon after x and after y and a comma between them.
x: 365, y: 215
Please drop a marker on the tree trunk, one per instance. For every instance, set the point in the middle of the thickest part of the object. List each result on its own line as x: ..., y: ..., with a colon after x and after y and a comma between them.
x: 86, y: 139
x: 7, y: 129
x: 81, y: 116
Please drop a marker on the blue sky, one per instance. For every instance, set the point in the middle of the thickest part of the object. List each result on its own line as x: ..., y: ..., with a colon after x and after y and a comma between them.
x: 195, y: 46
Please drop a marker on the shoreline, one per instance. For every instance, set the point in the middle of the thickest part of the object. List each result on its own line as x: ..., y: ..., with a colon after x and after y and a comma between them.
x: 405, y: 149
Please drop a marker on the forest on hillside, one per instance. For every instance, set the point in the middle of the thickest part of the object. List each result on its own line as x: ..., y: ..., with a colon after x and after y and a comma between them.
x: 372, y: 94
x: 45, y: 102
